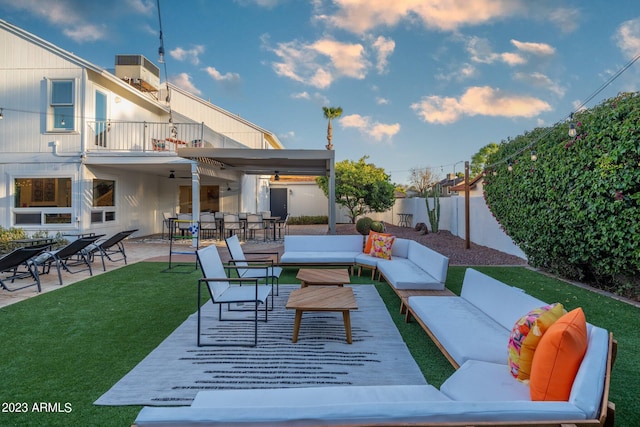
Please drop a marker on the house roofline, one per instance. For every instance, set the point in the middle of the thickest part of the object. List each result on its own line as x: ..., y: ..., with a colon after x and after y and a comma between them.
x: 472, y: 183
x: 268, y: 135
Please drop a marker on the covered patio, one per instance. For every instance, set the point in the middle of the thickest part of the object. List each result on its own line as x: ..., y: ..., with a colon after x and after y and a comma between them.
x: 262, y: 162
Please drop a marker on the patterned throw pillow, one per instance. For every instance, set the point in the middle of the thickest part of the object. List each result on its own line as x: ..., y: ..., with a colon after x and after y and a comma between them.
x: 518, y: 334
x: 367, y: 246
x: 381, y: 246
x: 530, y: 343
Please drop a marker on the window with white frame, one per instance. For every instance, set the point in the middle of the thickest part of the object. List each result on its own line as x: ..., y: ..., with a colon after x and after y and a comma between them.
x: 62, y: 105
x: 41, y: 201
x: 104, y: 200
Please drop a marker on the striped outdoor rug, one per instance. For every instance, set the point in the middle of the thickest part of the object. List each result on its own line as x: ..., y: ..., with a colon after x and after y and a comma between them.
x: 175, y: 371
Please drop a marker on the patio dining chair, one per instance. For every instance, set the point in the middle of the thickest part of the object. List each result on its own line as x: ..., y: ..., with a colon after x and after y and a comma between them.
x: 224, y: 290
x: 110, y: 248
x: 232, y: 225
x: 72, y: 255
x: 254, y: 224
x: 240, y: 261
x: 12, y: 263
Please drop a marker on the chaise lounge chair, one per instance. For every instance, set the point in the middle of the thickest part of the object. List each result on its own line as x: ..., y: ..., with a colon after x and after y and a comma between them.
x: 13, y: 261
x: 72, y: 255
x: 110, y: 247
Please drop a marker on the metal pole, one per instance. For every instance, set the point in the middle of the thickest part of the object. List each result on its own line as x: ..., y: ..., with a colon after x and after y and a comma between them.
x: 467, y: 233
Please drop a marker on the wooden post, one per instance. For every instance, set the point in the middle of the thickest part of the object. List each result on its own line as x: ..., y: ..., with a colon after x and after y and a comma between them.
x: 467, y: 233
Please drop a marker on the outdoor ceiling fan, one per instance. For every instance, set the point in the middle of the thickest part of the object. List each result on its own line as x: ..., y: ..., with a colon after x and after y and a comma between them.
x: 172, y: 175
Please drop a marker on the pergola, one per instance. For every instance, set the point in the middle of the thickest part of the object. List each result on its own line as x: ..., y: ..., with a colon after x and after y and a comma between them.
x: 266, y: 162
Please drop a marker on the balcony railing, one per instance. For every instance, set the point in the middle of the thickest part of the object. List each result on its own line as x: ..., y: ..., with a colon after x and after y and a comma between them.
x: 152, y: 137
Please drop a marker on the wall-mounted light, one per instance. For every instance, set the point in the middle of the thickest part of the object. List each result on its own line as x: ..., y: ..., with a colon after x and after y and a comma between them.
x: 172, y: 174
x: 277, y: 177
x: 1, y: 115
x: 228, y: 188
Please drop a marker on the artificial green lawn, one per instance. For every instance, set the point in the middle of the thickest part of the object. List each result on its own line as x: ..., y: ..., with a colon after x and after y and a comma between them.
x: 70, y: 346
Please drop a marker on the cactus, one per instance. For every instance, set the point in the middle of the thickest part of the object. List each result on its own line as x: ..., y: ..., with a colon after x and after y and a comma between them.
x: 434, y: 214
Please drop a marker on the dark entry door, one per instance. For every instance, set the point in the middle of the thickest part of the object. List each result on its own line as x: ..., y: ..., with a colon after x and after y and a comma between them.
x: 279, y: 202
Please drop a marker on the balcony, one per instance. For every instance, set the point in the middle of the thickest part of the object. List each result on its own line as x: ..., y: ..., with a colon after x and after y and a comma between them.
x: 149, y: 137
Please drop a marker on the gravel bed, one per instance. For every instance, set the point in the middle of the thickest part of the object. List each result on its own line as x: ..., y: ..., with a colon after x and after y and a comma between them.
x: 448, y: 245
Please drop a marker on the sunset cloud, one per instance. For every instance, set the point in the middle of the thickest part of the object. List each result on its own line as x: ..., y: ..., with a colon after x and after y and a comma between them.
x: 361, y: 16
x: 484, y: 101
x: 367, y: 126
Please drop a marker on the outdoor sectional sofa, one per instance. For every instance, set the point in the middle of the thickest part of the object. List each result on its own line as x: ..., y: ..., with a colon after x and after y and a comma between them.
x: 412, y: 265
x: 472, y: 330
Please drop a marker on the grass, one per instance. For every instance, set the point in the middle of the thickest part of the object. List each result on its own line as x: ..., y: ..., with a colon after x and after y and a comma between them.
x: 66, y: 348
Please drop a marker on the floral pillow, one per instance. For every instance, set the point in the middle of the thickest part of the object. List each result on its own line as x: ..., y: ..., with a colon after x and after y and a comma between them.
x: 381, y: 246
x: 518, y: 334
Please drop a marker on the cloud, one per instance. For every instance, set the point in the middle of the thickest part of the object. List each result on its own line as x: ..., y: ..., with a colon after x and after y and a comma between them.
x: 566, y: 19
x: 628, y: 37
x: 219, y: 77
x: 484, y: 100
x: 365, y: 125
x: 318, y: 64
x: 74, y: 17
x: 384, y: 47
x: 540, y: 49
x: 542, y: 81
x: 460, y: 73
x: 317, y: 97
x: 481, y: 51
x: 183, y: 81
x: 361, y: 16
x: 269, y: 4
x: 381, y: 101
x: 192, y: 55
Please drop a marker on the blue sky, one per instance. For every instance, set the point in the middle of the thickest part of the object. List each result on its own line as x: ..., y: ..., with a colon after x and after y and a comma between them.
x: 423, y: 83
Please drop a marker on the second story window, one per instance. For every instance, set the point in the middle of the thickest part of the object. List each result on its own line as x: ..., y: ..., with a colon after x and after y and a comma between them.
x: 62, y: 106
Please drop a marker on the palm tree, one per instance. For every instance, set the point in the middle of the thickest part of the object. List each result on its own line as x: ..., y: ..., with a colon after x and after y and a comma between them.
x: 331, y: 113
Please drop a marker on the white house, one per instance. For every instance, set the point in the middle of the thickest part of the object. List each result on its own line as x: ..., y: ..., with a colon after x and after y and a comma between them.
x: 83, y: 149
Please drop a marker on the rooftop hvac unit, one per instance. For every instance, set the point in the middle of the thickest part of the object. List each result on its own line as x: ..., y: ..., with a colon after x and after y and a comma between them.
x: 138, y: 71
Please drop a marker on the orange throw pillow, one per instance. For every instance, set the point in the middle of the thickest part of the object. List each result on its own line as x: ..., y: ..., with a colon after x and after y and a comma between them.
x: 530, y: 343
x: 367, y: 246
x: 558, y: 357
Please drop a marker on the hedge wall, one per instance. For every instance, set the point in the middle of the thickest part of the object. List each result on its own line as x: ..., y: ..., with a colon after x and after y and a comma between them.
x: 574, y: 210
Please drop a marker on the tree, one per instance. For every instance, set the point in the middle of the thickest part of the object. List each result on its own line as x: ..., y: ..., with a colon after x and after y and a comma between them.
x: 422, y: 179
x: 331, y: 113
x: 360, y: 187
x: 479, y: 160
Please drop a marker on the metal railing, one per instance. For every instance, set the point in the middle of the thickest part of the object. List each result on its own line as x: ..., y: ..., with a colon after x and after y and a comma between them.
x: 152, y: 137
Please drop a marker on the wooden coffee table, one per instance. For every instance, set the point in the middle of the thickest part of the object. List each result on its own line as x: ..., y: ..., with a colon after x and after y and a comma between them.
x: 322, y: 298
x: 323, y: 277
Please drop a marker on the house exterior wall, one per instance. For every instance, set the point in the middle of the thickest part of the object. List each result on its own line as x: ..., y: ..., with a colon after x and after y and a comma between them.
x: 120, y: 149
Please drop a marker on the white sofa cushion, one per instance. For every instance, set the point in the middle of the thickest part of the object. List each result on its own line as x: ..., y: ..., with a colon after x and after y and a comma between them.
x: 353, y: 413
x: 477, y: 380
x: 318, y: 257
x: 403, y: 273
x: 463, y: 329
x: 505, y: 304
x: 586, y: 392
x: 434, y: 263
x: 345, y: 243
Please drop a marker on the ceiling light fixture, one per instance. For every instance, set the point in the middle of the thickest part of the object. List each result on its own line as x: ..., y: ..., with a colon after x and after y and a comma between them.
x: 172, y: 174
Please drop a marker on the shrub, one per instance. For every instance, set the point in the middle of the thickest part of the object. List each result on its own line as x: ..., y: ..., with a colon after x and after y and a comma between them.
x: 363, y: 225
x: 575, y: 210
x: 377, y: 226
x: 307, y: 220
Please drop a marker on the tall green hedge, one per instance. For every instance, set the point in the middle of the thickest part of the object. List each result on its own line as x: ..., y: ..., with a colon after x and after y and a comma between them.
x: 574, y: 210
